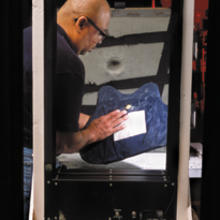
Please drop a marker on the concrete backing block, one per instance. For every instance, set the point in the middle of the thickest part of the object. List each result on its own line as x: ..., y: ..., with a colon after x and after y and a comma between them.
x: 114, y: 63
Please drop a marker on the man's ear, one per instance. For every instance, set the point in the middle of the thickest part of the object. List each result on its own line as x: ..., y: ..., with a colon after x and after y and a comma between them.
x: 82, y: 22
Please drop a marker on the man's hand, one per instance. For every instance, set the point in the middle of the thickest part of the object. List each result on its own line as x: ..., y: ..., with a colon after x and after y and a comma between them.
x: 106, y: 125
x: 99, y: 129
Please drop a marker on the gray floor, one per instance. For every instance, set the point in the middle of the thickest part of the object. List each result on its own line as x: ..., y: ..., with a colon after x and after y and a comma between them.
x: 153, y: 160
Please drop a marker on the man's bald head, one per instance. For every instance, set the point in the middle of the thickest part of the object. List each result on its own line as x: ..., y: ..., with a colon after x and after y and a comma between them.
x: 82, y: 33
x: 90, y: 8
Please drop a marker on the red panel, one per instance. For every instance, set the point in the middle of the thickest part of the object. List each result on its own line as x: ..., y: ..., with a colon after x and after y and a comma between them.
x: 166, y: 3
x: 200, y: 12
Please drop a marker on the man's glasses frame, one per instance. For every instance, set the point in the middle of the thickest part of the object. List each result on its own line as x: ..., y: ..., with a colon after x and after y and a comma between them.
x: 102, y: 33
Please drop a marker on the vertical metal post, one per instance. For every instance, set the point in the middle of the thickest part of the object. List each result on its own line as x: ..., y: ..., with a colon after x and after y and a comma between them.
x: 183, y: 191
x: 174, y: 93
x: 38, y: 109
x: 49, y: 132
x: 44, y: 48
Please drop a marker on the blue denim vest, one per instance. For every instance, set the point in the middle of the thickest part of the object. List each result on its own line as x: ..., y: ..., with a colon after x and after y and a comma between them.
x: 146, y: 98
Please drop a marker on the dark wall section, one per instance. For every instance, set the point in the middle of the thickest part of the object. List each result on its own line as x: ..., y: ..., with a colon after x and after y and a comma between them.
x: 11, y: 110
x: 212, y: 118
x: 27, y: 13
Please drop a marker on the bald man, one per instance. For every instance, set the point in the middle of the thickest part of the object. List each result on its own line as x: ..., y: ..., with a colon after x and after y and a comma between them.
x: 81, y: 25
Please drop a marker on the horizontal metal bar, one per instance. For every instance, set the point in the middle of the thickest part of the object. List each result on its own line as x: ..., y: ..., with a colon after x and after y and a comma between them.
x: 113, y: 178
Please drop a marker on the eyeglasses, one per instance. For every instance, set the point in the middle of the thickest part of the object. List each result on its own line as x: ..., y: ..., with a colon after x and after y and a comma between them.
x: 102, y: 33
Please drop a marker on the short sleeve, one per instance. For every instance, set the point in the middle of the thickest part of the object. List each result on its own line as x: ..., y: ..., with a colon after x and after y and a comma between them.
x: 67, y: 101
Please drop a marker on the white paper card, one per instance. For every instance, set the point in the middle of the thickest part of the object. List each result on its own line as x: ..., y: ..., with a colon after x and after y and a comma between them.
x: 134, y: 125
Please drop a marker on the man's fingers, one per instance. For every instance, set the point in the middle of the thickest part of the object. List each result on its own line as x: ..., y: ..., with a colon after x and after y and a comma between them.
x: 119, y: 127
x: 114, y: 115
x: 119, y: 121
x: 108, y: 124
x: 115, y: 119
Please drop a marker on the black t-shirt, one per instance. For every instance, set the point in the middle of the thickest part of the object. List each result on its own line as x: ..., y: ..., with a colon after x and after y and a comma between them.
x: 68, y: 85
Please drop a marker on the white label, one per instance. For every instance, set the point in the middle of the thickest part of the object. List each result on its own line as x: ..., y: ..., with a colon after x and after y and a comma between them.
x: 134, y: 125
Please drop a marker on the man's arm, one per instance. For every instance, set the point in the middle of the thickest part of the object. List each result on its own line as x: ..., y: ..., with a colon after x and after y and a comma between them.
x: 83, y: 119
x: 99, y: 129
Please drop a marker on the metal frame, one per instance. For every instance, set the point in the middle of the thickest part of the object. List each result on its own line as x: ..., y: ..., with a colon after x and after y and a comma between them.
x: 111, y: 194
x: 49, y: 135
